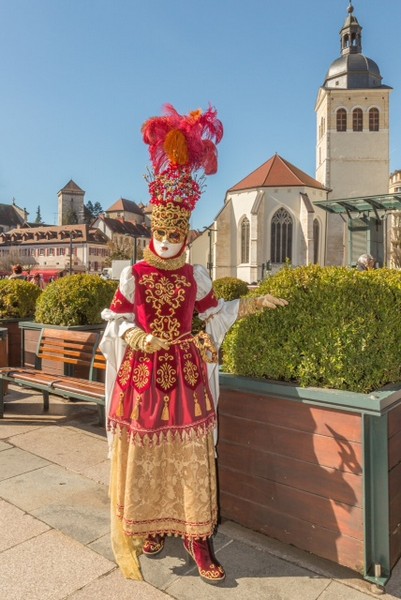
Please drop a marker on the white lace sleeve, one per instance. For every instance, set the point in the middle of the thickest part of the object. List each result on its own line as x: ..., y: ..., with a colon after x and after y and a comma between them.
x: 218, y: 318
x: 127, y: 289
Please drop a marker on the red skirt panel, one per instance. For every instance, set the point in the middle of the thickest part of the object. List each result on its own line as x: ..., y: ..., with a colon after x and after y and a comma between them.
x: 162, y: 392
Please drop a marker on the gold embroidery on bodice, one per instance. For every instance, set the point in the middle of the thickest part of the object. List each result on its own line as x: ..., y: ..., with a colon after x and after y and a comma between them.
x: 165, y: 295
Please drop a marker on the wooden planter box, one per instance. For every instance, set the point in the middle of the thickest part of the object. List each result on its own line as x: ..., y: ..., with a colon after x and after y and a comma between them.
x: 14, y: 351
x: 29, y: 332
x: 318, y: 469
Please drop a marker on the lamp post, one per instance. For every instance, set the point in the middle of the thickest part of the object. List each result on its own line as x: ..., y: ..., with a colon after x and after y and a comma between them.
x: 135, y: 249
x: 210, y: 257
x: 70, y: 270
x: 134, y: 253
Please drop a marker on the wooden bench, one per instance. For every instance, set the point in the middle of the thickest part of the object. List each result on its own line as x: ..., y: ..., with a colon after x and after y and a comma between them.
x: 67, y: 364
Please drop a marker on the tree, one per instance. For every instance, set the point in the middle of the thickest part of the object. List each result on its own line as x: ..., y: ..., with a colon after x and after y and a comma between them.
x: 94, y: 209
x: 38, y: 219
x: 122, y: 248
x: 13, y: 258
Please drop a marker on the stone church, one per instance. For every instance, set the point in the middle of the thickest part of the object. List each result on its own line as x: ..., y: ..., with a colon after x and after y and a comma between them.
x: 279, y: 213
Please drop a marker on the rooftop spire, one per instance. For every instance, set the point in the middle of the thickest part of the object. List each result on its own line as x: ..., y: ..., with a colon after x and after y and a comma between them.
x: 351, y: 34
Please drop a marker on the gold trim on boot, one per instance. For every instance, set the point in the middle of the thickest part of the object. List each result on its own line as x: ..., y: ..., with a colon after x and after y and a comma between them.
x: 201, y: 553
x: 153, y: 545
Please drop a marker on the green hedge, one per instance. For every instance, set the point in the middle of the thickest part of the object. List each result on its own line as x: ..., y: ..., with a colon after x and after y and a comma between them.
x: 17, y: 299
x: 75, y: 300
x: 230, y: 288
x: 341, y: 329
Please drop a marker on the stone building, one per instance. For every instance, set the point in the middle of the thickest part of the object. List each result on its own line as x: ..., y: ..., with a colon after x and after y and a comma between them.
x: 353, y: 152
x: 54, y: 250
x: 12, y: 216
x: 71, y: 204
x: 269, y: 218
x: 278, y: 213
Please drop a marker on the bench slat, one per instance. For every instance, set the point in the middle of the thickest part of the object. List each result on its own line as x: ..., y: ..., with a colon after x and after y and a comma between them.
x: 68, y: 347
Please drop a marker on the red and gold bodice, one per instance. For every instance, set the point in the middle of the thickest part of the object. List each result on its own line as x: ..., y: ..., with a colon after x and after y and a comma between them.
x: 164, y: 300
x: 167, y: 388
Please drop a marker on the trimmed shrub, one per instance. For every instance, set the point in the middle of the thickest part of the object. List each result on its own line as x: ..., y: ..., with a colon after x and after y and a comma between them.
x: 341, y: 329
x: 75, y: 300
x: 18, y: 299
x: 230, y: 288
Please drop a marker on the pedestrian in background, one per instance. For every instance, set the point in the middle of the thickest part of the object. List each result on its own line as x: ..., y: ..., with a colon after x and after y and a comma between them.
x: 17, y: 273
x: 365, y: 262
x: 37, y: 280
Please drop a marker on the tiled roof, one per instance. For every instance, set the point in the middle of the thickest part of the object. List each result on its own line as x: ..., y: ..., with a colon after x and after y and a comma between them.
x: 276, y: 172
x: 126, y: 227
x: 53, y: 235
x: 125, y: 205
x: 193, y: 234
x: 9, y: 217
x: 71, y: 186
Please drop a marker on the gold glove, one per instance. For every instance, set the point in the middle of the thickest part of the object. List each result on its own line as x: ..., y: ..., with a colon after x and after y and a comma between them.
x: 251, y: 306
x: 138, y: 339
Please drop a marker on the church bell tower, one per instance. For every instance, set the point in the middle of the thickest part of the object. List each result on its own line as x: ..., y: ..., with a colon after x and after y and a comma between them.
x: 352, y: 153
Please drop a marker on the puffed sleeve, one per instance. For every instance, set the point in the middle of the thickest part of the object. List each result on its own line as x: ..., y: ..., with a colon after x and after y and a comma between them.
x: 219, y: 314
x: 120, y: 315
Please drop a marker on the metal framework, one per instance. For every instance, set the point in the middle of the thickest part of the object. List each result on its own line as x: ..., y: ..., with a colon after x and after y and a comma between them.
x: 362, y: 205
x: 359, y: 211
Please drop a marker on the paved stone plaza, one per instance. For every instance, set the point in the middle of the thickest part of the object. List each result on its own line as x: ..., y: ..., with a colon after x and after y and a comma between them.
x: 54, y: 518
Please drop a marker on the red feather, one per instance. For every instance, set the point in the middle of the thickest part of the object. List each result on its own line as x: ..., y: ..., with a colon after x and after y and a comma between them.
x: 197, y: 128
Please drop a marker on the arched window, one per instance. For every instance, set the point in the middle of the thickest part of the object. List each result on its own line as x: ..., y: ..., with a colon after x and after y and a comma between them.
x: 245, y: 240
x: 281, y: 236
x: 316, y: 241
x: 374, y: 119
x: 341, y: 119
x: 357, y: 119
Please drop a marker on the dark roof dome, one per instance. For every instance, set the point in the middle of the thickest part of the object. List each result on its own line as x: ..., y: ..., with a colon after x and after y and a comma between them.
x: 352, y: 70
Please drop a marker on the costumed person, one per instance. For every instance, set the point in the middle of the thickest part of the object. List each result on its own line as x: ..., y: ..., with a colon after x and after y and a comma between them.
x: 161, y: 380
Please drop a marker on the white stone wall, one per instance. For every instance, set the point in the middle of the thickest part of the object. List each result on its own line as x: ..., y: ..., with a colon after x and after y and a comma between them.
x: 350, y: 163
x: 198, y: 253
x: 226, y: 242
x: 259, y: 206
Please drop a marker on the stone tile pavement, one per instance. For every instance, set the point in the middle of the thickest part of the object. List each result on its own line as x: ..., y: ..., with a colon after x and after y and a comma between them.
x: 54, y: 523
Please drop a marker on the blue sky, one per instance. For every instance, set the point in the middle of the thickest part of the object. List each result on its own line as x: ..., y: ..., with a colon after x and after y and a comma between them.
x: 79, y: 77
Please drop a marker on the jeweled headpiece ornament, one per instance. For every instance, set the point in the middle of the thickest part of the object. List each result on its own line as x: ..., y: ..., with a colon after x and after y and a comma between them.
x: 179, y: 147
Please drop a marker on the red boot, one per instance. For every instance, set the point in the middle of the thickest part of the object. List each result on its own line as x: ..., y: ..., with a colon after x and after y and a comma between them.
x: 153, y: 545
x: 201, y: 551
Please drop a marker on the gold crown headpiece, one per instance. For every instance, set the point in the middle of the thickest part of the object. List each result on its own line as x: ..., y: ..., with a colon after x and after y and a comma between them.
x: 180, y: 145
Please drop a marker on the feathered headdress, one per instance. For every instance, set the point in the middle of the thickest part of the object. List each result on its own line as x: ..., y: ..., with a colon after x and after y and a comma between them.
x: 179, y: 146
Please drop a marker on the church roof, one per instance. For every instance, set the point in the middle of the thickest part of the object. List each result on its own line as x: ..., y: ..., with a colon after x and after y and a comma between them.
x: 71, y: 186
x: 126, y: 227
x: 125, y: 205
x: 277, y: 172
x: 353, y: 71
x: 9, y: 217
